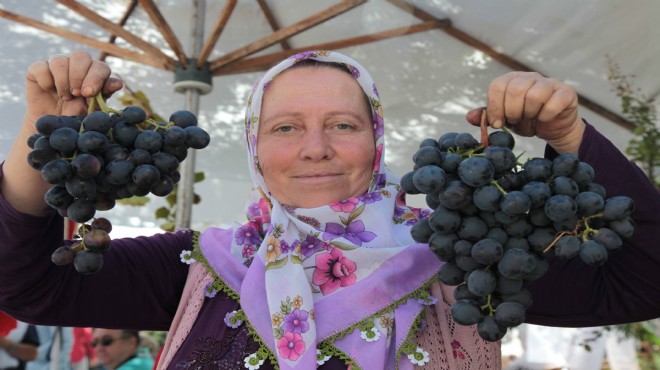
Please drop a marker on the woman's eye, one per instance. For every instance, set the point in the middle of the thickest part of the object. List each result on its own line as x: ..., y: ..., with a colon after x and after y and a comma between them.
x: 344, y: 126
x: 284, y: 129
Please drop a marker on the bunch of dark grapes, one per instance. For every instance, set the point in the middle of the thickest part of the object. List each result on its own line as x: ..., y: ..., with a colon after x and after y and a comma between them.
x: 105, y: 156
x: 496, y: 222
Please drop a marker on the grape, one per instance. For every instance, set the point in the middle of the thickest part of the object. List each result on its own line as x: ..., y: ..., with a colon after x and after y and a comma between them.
x: 444, y: 220
x: 565, y: 164
x: 429, y: 179
x: 472, y: 229
x: 515, y: 203
x: 516, y: 263
x: 56, y: 171
x: 567, y: 247
x: 97, y: 121
x: 86, y: 166
x: 150, y: 141
x: 501, y: 139
x: 608, y: 238
x: 102, y: 157
x: 476, y: 171
x: 619, y: 207
x: 466, y: 312
x: 92, y: 142
x: 496, y: 223
x: 502, y: 159
x: 481, y: 282
x: 428, y: 155
x: 125, y: 133
x: 487, y: 198
x: 510, y: 314
x: 145, y: 176
x: 538, y: 193
x: 97, y: 240
x: 456, y: 195
x: 490, y: 330
x: 593, y: 253
x: 133, y: 115
x: 565, y: 185
x: 451, y: 274
x: 163, y: 186
x: 64, y: 140
x: 560, y: 207
x: 443, y: 245
x: 45, y: 125
x: 88, y: 262
x: 63, y: 255
x: 183, y: 119
x: 487, y: 251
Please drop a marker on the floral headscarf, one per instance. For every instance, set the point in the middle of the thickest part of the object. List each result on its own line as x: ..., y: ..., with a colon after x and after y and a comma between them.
x: 332, y: 280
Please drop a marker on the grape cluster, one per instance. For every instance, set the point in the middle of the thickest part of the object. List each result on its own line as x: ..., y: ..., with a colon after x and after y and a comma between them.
x: 104, y: 156
x: 496, y: 221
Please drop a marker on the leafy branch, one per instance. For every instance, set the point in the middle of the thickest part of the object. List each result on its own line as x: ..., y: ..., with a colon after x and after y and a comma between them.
x: 643, y: 147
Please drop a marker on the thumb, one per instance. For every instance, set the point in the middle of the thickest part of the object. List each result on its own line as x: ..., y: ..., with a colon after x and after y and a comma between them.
x: 474, y: 116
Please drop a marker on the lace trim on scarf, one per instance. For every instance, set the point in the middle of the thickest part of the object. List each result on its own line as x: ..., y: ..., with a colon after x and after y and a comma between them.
x: 326, y: 346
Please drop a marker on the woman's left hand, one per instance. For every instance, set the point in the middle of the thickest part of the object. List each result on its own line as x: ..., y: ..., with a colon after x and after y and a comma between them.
x: 533, y: 105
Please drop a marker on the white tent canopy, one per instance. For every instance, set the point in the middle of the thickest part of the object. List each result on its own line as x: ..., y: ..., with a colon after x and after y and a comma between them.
x: 427, y: 80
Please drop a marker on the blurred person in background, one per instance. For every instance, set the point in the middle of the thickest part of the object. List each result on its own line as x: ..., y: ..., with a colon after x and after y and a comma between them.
x: 18, y: 343
x: 120, y: 350
x: 54, y: 348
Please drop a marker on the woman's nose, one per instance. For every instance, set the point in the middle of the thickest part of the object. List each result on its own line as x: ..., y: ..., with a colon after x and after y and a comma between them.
x: 316, y: 145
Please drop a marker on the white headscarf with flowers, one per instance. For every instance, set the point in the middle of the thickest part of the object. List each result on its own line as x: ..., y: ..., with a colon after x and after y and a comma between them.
x: 316, y: 273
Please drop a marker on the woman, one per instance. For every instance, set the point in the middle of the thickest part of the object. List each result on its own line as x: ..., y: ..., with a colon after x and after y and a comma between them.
x: 325, y: 271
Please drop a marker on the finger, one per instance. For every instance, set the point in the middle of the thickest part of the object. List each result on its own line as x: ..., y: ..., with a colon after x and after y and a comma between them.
x: 562, y: 102
x: 96, y: 77
x: 495, y: 99
x: 474, y: 116
x: 514, y: 97
x: 112, y: 85
x: 79, y: 64
x: 39, y: 73
x: 59, y: 68
x: 536, y: 97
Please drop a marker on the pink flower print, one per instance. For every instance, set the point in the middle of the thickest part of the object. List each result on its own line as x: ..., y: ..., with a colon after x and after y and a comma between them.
x: 333, y: 270
x: 354, y: 232
x: 379, y: 153
x: 347, y: 205
x: 247, y: 235
x: 291, y: 346
x: 296, y: 321
x: 265, y: 211
x: 248, y: 250
x: 253, y: 210
x: 456, y: 345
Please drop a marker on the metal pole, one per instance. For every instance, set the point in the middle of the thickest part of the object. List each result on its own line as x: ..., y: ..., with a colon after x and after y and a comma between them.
x: 185, y: 186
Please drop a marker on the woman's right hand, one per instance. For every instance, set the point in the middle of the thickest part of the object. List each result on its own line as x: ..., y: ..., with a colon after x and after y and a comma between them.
x: 63, y: 84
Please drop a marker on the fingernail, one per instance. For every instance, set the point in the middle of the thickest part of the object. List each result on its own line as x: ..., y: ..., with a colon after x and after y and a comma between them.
x: 497, y: 124
x: 87, y: 91
x: 75, y: 92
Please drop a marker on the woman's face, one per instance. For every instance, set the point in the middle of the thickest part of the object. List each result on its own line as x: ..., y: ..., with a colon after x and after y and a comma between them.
x: 315, y: 141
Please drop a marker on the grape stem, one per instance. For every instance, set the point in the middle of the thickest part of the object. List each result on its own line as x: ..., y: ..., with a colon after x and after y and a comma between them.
x: 588, y: 230
x: 495, y: 184
x: 489, y: 306
x: 552, y: 244
x: 484, y: 129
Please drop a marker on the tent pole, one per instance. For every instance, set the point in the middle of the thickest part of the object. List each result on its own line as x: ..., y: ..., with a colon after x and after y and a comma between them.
x: 187, y: 167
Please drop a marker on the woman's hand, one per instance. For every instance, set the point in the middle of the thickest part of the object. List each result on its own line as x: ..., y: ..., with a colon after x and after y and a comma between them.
x: 532, y: 105
x: 62, y: 84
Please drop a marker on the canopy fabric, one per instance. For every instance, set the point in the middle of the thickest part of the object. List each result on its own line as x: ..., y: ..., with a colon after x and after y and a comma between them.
x: 427, y: 80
